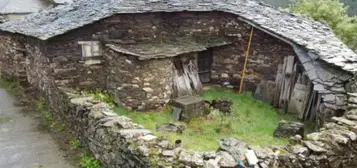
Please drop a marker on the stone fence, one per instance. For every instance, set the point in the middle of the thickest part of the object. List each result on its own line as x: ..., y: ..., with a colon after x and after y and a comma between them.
x: 119, y: 143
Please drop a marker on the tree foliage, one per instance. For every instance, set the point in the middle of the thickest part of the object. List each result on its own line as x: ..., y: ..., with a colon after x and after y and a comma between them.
x: 334, y: 13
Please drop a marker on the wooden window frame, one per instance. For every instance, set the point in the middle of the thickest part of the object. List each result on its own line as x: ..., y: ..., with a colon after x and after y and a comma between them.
x: 95, y: 56
x: 91, y: 44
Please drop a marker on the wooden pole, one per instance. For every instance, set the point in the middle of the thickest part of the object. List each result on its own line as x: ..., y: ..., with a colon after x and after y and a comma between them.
x: 246, y: 60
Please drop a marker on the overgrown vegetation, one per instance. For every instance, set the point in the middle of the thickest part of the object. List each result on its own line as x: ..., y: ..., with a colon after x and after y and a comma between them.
x: 47, y: 115
x: 252, y: 121
x: 334, y: 13
x: 352, y: 10
x: 101, y: 95
x: 88, y: 161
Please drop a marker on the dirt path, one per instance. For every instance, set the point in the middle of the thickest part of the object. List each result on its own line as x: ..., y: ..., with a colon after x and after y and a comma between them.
x: 22, y: 144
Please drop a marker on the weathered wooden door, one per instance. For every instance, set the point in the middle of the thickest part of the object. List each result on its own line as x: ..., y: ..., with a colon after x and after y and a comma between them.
x: 186, y: 78
x: 204, y: 62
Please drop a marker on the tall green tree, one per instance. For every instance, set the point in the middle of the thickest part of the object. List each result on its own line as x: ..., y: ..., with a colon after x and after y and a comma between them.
x: 334, y: 13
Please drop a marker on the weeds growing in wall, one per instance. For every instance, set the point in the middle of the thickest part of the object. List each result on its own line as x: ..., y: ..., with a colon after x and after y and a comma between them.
x: 100, y: 95
x: 86, y: 160
x: 47, y: 115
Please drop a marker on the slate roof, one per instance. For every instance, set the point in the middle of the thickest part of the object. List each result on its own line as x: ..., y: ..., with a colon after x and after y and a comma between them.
x: 22, y: 6
x: 168, y: 48
x: 316, y: 37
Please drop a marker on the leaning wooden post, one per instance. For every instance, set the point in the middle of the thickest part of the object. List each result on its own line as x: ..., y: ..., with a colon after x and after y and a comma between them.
x: 246, y: 61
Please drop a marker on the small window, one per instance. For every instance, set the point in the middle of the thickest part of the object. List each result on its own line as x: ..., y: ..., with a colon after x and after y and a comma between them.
x: 90, y: 48
x: 91, y: 52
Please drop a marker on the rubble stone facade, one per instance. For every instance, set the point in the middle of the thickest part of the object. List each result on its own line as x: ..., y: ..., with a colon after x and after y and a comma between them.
x: 12, y: 59
x: 139, y: 84
x: 61, y: 57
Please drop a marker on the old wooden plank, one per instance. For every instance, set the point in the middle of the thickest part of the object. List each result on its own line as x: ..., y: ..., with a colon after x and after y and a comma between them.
x: 289, y: 69
x: 315, y: 111
x: 308, y: 105
x: 311, y: 105
x: 278, y: 81
x: 298, y: 99
x: 282, y: 89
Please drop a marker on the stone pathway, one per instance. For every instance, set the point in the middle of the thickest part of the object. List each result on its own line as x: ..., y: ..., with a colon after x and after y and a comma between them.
x: 22, y: 144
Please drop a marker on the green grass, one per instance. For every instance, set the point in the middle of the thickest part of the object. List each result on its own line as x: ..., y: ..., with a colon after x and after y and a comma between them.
x: 252, y: 122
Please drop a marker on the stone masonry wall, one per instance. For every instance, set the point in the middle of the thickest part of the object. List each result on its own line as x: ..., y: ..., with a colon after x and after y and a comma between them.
x: 38, y: 67
x: 265, y: 54
x: 139, y: 85
x: 118, y: 142
x: 266, y: 51
x: 64, y: 64
x: 12, y: 61
x: 66, y: 53
x: 67, y: 63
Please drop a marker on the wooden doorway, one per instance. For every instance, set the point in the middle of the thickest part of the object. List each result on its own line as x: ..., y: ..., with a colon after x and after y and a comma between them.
x: 186, y: 78
x: 204, y: 63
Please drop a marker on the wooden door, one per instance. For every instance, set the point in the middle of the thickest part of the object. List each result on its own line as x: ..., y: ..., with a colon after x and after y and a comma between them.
x: 204, y: 62
x: 186, y: 78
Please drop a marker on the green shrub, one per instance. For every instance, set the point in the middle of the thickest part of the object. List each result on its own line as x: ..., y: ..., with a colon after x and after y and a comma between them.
x: 89, y: 162
x: 100, y: 95
x: 334, y: 13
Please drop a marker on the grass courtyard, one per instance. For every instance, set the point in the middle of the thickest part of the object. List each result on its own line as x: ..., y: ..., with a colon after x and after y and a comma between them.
x: 252, y: 121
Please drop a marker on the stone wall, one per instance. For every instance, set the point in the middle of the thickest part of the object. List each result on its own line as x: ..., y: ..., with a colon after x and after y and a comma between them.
x: 66, y: 53
x: 12, y: 57
x: 265, y: 54
x: 68, y: 65
x: 118, y: 142
x: 39, y: 71
x: 266, y: 51
x: 139, y: 85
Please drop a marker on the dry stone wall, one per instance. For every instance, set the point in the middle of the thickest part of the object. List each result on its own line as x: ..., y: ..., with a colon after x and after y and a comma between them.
x: 118, y: 142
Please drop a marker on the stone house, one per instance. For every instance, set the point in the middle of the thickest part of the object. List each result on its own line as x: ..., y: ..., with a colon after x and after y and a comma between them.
x: 146, y: 53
